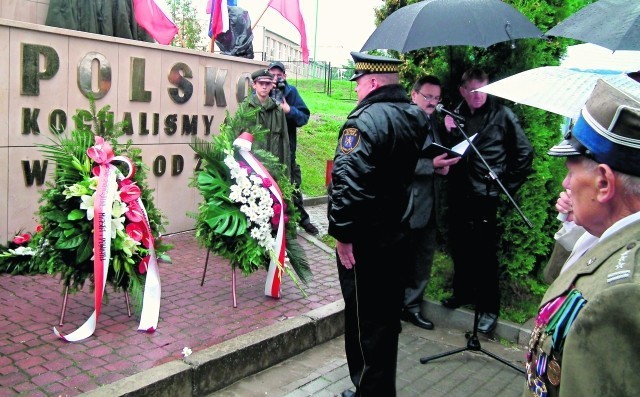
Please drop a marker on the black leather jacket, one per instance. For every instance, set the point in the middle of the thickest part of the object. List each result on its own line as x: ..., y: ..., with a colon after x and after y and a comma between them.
x: 501, y: 142
x: 375, y: 160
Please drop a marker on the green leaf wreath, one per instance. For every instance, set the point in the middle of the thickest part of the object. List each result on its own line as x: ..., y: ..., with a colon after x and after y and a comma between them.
x: 63, y: 242
x: 221, y: 225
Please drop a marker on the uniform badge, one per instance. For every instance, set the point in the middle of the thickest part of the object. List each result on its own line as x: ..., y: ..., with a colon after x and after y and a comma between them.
x: 350, y: 140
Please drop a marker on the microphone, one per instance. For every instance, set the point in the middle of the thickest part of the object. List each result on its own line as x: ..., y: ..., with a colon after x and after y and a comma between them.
x: 440, y: 108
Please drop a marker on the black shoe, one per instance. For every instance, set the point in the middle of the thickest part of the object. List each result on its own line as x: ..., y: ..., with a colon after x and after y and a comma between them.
x: 309, y: 228
x: 416, y: 319
x: 487, y: 322
x: 453, y: 302
x: 348, y: 393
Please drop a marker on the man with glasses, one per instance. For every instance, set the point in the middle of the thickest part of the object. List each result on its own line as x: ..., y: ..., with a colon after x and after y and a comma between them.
x: 425, y: 189
x: 473, y: 196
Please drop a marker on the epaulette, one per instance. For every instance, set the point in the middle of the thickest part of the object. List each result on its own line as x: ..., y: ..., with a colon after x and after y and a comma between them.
x: 626, y: 265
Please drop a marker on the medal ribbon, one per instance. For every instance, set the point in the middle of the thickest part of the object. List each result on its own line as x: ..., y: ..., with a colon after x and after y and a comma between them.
x: 565, y: 319
x: 549, y: 309
x: 274, y: 273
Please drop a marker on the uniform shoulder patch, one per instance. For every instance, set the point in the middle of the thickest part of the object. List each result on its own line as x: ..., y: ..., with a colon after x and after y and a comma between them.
x: 625, y: 266
x: 350, y: 140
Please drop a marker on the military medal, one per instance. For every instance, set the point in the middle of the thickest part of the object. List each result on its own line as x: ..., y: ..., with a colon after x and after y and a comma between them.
x: 553, y: 372
x: 540, y: 387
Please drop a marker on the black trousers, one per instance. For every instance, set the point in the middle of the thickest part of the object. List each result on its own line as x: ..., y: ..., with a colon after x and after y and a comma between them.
x: 372, y: 292
x: 473, y: 239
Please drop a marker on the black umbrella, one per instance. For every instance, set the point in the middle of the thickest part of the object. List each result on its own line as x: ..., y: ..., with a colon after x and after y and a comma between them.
x: 433, y: 23
x: 614, y: 24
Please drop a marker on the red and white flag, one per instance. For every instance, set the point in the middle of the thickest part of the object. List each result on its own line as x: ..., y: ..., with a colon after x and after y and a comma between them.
x: 219, y: 17
x: 154, y: 21
x: 290, y: 10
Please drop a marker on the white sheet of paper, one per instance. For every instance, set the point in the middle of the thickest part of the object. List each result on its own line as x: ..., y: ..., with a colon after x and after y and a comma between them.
x: 462, y: 146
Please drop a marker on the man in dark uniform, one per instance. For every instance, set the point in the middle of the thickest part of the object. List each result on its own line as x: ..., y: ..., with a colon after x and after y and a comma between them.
x: 586, y: 338
x: 369, y: 208
x: 425, y: 190
x: 297, y: 114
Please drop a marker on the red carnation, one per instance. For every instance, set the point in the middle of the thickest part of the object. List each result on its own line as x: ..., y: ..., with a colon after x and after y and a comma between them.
x: 275, y: 220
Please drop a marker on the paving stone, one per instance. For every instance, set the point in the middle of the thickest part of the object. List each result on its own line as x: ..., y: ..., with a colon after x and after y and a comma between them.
x: 203, y: 317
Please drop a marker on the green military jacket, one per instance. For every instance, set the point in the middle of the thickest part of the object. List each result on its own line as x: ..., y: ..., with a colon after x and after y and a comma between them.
x: 601, y: 355
x: 272, y: 117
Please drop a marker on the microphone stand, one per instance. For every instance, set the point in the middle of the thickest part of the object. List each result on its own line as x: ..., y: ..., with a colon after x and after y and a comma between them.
x: 492, y: 174
x: 473, y: 343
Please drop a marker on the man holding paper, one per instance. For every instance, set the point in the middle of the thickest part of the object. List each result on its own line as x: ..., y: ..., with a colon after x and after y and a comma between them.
x: 426, y: 185
x: 473, y: 196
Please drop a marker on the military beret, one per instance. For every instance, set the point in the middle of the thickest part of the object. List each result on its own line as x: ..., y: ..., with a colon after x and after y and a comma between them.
x: 607, y: 131
x: 367, y: 64
x: 261, y: 75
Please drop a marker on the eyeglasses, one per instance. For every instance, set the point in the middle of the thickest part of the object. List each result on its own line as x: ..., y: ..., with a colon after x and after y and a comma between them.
x: 430, y: 98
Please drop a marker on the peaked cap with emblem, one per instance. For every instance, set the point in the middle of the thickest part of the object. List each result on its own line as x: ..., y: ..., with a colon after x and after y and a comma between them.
x: 367, y: 64
x: 260, y: 75
x: 607, y: 131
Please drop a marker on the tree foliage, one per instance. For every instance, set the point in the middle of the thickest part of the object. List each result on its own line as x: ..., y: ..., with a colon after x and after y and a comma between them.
x: 523, y: 251
x: 189, y: 29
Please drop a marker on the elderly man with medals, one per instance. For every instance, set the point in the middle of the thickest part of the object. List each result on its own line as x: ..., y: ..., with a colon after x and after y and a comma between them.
x: 586, y: 339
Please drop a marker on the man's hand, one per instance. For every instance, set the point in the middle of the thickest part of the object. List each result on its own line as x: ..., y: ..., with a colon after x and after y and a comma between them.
x: 449, y: 124
x: 564, y: 205
x: 441, y: 163
x: 285, y: 106
x: 345, y: 254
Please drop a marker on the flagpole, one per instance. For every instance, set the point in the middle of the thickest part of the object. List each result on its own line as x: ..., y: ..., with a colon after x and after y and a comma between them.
x: 315, y: 35
x: 257, y: 20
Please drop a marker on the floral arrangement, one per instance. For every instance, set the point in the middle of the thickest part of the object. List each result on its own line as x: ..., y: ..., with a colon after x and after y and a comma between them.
x: 246, y: 208
x: 92, y: 171
x: 20, y: 254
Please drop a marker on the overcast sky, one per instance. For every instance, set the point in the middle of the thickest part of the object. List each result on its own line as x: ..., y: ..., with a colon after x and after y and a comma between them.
x: 343, y: 25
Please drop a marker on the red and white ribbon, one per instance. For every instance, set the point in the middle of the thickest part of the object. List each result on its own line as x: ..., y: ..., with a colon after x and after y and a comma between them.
x: 274, y: 273
x: 107, y: 173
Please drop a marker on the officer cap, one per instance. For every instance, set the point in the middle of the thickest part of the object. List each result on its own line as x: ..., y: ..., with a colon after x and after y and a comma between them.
x: 607, y: 131
x: 261, y: 75
x: 367, y: 64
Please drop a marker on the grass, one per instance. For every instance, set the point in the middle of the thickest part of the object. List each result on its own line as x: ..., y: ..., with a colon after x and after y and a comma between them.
x: 318, y: 139
x: 316, y: 145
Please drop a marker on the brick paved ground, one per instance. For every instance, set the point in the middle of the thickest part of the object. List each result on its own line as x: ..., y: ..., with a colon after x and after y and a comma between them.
x: 33, y: 362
